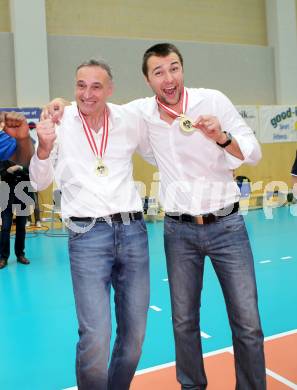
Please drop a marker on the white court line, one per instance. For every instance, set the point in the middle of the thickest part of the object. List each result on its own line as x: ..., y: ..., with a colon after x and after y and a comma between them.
x: 286, y: 258
x: 162, y: 366
x: 155, y: 368
x: 212, y: 353
x: 281, y: 379
x: 217, y: 352
x: 205, y: 335
x: 165, y: 280
x: 156, y: 308
x: 264, y: 261
x: 279, y: 335
x: 170, y: 364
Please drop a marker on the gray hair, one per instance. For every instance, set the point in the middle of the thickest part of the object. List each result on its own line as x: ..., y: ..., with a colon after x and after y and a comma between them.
x: 102, y: 64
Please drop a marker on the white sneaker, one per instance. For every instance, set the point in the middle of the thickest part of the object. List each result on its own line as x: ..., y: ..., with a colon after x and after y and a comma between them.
x: 38, y: 224
x: 28, y: 224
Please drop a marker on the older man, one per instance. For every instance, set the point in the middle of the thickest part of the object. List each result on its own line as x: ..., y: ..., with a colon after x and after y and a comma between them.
x: 89, y: 154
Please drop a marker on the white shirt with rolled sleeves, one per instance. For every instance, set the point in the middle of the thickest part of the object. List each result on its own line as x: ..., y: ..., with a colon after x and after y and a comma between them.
x: 72, y: 165
x: 197, y: 174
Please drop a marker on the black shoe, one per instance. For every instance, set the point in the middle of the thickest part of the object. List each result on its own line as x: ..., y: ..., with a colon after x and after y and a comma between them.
x: 23, y: 260
x: 3, y: 263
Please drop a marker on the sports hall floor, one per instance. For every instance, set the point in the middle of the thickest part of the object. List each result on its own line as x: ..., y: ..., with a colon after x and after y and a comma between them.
x: 38, y: 328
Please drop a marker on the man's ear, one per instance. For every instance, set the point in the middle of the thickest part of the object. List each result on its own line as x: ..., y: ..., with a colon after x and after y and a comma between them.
x: 147, y: 81
x: 111, y: 89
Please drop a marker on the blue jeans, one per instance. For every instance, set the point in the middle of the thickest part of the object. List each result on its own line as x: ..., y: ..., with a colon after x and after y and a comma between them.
x: 226, y: 243
x: 107, y: 255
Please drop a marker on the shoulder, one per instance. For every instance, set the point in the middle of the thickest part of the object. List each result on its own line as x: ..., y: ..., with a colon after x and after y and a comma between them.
x: 69, y: 114
x: 125, y: 111
x: 206, y: 93
x: 70, y: 111
x: 142, y: 105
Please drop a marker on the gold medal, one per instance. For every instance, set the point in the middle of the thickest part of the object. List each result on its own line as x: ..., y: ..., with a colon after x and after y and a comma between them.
x: 186, y: 124
x: 101, y: 169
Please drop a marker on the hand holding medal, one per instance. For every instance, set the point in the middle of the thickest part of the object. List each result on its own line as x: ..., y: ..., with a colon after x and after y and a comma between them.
x: 210, y: 126
x: 185, y: 123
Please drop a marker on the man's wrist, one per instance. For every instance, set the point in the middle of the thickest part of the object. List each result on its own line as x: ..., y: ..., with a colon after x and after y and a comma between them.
x: 23, y: 139
x: 42, y: 154
x: 227, y: 139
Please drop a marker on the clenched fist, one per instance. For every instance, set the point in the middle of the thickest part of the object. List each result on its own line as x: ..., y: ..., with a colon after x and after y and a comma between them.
x: 14, y: 124
x: 46, y: 136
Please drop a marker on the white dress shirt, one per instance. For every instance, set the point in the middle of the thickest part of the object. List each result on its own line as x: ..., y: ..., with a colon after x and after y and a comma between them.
x: 196, y: 174
x: 72, y: 165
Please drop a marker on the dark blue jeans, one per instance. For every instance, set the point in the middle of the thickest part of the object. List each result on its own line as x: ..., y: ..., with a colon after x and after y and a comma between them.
x: 226, y: 243
x: 107, y: 255
x: 20, y: 234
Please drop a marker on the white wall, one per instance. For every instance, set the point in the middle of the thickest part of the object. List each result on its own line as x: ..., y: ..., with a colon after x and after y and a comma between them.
x: 244, y: 72
x: 7, y: 71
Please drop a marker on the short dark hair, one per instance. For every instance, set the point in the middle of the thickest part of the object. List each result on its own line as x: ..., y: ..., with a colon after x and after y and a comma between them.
x: 160, y: 50
x: 102, y: 64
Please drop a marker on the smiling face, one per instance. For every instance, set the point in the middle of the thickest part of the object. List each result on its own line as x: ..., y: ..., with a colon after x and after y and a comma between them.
x: 93, y: 88
x: 165, y: 77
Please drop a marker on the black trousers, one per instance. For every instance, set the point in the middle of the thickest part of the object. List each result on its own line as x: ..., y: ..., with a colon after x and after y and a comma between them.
x: 20, y: 235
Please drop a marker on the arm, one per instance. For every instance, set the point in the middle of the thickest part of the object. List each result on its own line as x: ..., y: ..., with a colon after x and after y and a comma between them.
x: 211, y: 128
x: 41, y: 166
x: 144, y: 148
x: 15, y: 125
x: 244, y: 147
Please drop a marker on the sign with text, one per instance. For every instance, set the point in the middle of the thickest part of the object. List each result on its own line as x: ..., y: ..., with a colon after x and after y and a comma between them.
x: 31, y: 113
x: 278, y: 124
x: 251, y: 116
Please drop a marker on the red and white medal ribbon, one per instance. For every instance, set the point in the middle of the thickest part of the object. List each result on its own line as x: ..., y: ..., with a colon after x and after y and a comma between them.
x: 91, y: 140
x: 186, y: 124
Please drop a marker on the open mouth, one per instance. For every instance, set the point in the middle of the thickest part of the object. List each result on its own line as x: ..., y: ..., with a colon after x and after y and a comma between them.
x: 169, y: 92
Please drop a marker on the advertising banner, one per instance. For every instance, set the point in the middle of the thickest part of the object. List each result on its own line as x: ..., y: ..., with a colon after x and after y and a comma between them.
x: 251, y: 116
x: 278, y: 124
x: 31, y: 113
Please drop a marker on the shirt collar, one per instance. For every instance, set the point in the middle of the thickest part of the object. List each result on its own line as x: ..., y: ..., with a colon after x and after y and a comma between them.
x: 151, y: 112
x: 113, y: 115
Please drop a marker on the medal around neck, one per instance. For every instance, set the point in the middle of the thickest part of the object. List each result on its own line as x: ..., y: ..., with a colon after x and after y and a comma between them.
x: 101, y: 169
x: 186, y: 124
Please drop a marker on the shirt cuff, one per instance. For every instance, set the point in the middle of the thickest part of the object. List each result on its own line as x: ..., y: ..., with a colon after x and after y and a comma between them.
x: 250, y: 150
x: 40, y: 172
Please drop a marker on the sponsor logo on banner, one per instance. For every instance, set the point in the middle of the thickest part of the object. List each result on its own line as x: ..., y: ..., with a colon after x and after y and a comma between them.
x: 278, y: 124
x: 251, y: 117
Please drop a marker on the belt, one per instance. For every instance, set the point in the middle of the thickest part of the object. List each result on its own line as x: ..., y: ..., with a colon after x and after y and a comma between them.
x: 118, y: 217
x: 205, y: 219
